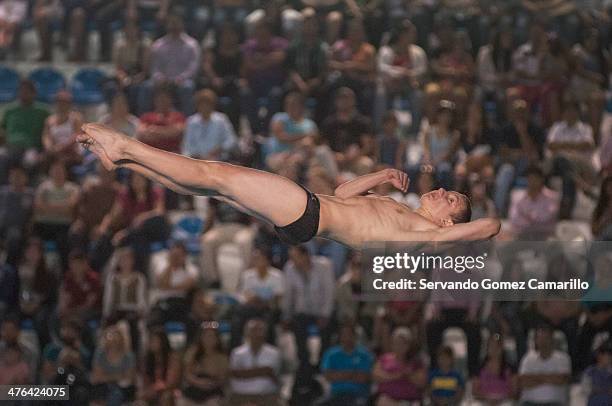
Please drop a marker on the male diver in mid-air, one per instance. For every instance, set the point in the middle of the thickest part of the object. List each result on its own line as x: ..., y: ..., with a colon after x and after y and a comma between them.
x: 352, y: 216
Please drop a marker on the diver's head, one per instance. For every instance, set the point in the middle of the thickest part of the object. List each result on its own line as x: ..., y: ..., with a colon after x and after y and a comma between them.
x: 446, y: 207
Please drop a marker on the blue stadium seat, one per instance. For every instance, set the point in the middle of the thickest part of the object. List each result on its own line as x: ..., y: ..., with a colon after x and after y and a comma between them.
x: 189, y: 229
x: 48, y: 82
x: 86, y: 86
x: 9, y: 84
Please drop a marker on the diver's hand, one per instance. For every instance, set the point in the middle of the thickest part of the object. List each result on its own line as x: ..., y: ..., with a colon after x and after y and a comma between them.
x: 398, y: 179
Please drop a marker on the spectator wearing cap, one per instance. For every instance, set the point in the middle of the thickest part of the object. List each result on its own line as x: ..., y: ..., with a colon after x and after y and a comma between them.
x: 309, y: 298
x: 59, y: 134
x: 570, y: 144
x: 206, y: 368
x: 597, y: 379
x: 347, y: 367
x: 544, y: 373
x: 352, y: 63
x: 401, y: 374
x: 536, y: 213
x: 55, y: 204
x: 175, y: 59
x: 349, y: 134
x: 21, y: 129
x: 261, y: 289
x: 208, y: 134
x: 16, y: 207
x: 173, y: 278
x: 519, y: 143
x: 80, y: 294
x: 440, y: 140
x: 163, y: 127
x: 403, y: 65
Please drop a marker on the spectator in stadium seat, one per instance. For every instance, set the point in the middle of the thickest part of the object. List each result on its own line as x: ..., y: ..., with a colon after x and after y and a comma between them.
x: 16, y: 206
x: 494, y: 64
x: 120, y: 118
x: 203, y: 309
x: 55, y: 206
x: 173, y: 278
x: 263, y: 59
x: 131, y: 57
x: 349, y: 134
x: 163, y: 127
x: 224, y: 224
x: 206, y: 368
x: 440, y: 141
x: 37, y: 289
x: 536, y: 213
x: 68, y: 352
x: 496, y: 381
x: 80, y: 294
x: 309, y: 297
x: 46, y: 14
x: 162, y: 369
x: 348, y: 296
x: 403, y: 65
x: 208, y: 134
x: 352, y: 64
x: 113, y: 369
x: 254, y: 369
x: 445, y: 384
x: 175, y: 59
x: 98, y: 193
x: 14, y: 369
x: 598, y: 379
x: 22, y: 127
x: 59, y: 135
x: 307, y: 62
x: 519, y: 143
x: 261, y: 289
x: 221, y: 70
x: 401, y: 374
x: 601, y: 223
x: 482, y: 205
x: 292, y: 133
x: 545, y: 373
x: 347, y: 367
x: 104, y: 13
x: 124, y: 297
x: 527, y: 66
x: 391, y: 149
x: 12, y: 16
x: 571, y: 145
x: 10, y: 336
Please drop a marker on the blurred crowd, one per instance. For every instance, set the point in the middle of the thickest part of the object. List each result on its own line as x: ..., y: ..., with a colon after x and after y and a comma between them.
x: 118, y: 287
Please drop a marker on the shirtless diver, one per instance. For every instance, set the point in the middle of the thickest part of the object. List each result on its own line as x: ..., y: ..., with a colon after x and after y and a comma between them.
x: 350, y: 216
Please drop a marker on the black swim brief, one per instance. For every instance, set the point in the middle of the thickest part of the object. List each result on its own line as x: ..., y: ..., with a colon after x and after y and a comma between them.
x: 304, y: 228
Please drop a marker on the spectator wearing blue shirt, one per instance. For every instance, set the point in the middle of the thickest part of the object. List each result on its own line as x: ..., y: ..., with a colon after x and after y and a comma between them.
x: 291, y: 133
x: 347, y: 367
x: 445, y: 383
x: 209, y: 134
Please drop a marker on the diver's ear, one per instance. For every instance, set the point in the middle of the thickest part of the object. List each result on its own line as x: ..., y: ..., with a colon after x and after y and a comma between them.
x: 447, y: 222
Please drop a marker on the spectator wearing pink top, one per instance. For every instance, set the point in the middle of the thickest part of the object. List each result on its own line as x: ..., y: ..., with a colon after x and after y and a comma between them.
x: 495, y: 382
x: 535, y: 214
x: 401, y: 375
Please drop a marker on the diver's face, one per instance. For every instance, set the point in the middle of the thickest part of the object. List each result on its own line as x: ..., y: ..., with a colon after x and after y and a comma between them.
x: 441, y: 204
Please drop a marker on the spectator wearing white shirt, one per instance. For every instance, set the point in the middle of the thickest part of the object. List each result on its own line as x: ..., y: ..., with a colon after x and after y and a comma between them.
x: 254, y: 369
x: 175, y: 59
x: 570, y: 144
x: 261, y: 289
x: 174, y: 278
x: 309, y: 297
x: 545, y: 373
x: 209, y: 134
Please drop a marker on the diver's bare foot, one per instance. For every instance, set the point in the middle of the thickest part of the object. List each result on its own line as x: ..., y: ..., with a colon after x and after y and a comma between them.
x: 113, y: 143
